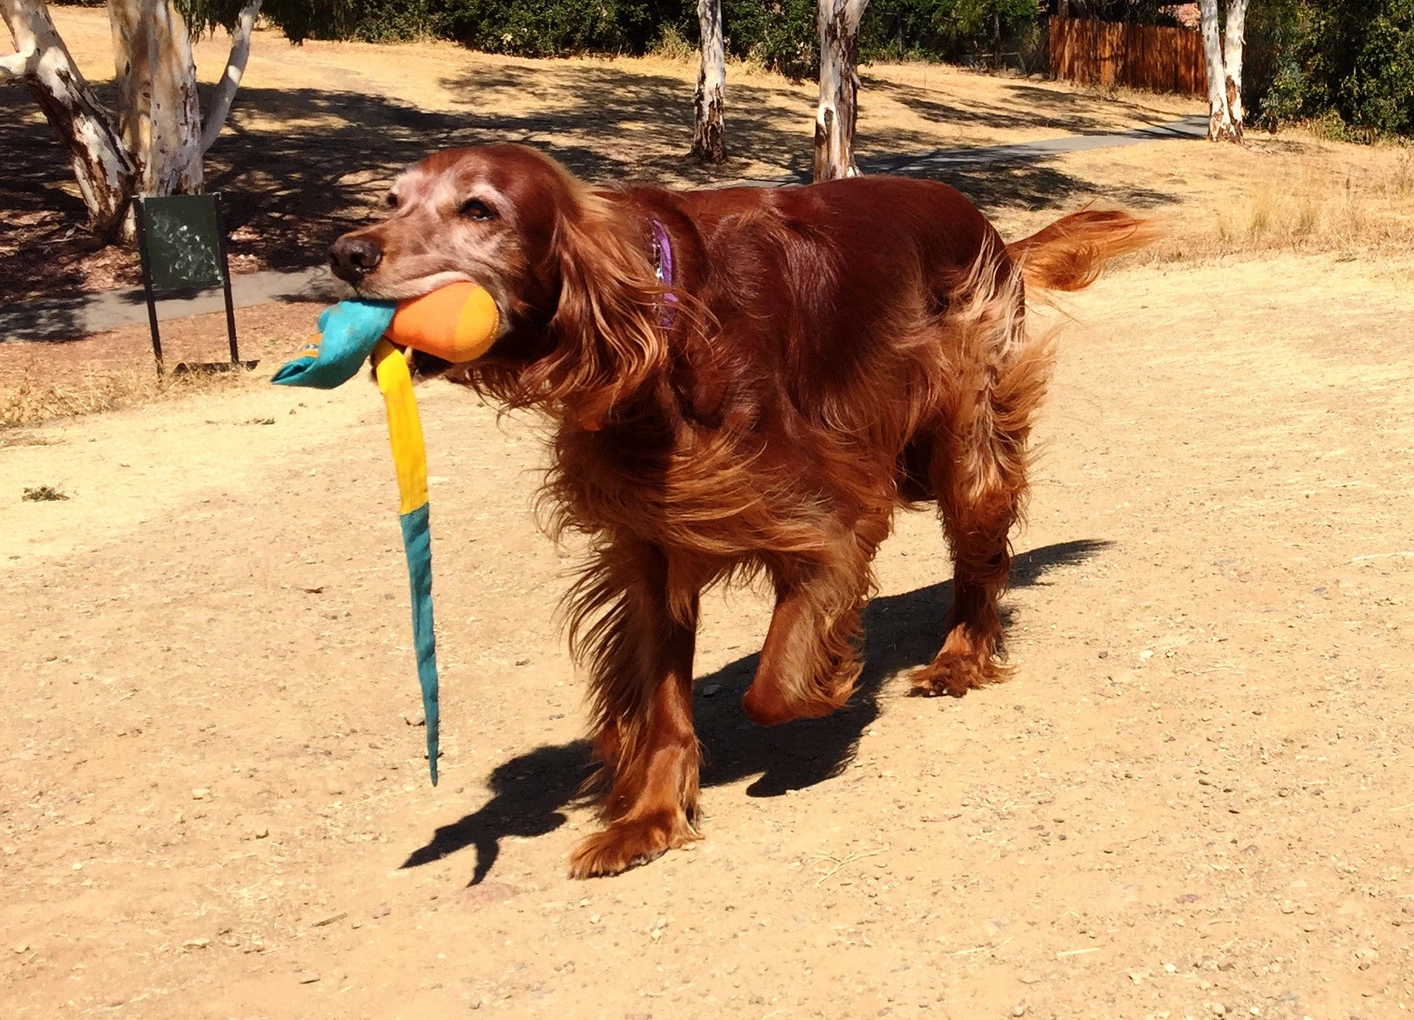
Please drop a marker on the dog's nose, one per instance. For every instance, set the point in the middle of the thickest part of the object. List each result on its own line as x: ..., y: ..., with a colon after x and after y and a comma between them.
x: 353, y: 258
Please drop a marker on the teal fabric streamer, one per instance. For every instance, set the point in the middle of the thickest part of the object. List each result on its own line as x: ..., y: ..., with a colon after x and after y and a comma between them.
x: 417, y: 542
x: 348, y: 333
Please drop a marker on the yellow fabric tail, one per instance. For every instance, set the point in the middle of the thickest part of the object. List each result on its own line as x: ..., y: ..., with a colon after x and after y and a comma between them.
x: 404, y: 426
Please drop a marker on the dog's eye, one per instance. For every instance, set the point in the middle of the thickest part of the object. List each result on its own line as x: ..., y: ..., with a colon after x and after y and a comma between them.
x: 475, y: 209
x: 391, y: 201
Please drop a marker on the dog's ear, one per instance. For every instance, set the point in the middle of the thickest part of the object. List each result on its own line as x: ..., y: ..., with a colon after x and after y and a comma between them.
x: 608, y: 324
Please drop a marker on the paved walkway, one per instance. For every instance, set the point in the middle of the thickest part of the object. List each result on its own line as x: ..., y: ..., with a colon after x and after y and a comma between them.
x: 80, y: 315
x: 69, y: 317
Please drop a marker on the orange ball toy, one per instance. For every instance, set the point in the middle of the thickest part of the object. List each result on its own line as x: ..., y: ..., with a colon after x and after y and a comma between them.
x: 457, y: 323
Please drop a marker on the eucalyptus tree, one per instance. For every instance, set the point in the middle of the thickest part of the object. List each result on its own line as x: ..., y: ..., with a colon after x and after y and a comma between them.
x: 154, y: 140
x: 708, y: 132
x: 838, y: 108
x: 1222, y: 51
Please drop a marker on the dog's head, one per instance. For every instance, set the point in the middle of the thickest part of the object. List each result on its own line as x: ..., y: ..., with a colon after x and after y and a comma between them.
x: 569, y: 269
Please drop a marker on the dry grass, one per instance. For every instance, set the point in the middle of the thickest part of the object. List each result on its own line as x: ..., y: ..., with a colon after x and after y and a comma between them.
x: 29, y: 401
x: 612, y: 119
x: 43, y: 494
x: 44, y: 380
x: 1320, y: 208
x: 1296, y: 192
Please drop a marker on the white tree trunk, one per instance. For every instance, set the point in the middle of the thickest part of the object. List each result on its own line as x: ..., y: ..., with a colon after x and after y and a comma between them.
x: 839, y: 88
x: 1233, y: 38
x: 225, y: 93
x: 158, y: 116
x: 707, y: 133
x: 103, y: 166
x: 1220, y: 125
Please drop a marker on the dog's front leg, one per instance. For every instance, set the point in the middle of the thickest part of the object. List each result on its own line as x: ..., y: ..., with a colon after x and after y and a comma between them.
x: 640, y: 651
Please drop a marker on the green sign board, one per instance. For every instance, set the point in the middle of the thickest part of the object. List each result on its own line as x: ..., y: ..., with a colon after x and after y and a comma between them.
x: 183, y: 249
x: 181, y: 240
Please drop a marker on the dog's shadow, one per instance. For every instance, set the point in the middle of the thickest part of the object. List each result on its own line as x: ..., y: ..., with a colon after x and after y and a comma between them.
x: 532, y: 790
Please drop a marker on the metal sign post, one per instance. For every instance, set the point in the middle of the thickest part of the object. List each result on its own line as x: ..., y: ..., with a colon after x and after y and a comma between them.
x: 183, y: 250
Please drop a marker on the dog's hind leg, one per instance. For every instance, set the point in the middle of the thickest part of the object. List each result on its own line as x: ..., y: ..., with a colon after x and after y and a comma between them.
x: 640, y: 650
x: 978, y: 474
x: 810, y: 662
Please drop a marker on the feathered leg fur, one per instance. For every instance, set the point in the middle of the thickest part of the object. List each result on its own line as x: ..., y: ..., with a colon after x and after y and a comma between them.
x: 640, y: 653
x: 978, y: 471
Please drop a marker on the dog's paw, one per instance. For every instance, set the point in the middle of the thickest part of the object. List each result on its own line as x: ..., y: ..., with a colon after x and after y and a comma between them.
x: 630, y: 842
x: 955, y: 675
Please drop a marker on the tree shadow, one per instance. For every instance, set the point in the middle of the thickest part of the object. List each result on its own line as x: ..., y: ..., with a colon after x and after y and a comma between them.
x: 44, y: 243
x: 531, y: 790
x: 299, y: 166
x: 1033, y: 184
x: 1069, y: 113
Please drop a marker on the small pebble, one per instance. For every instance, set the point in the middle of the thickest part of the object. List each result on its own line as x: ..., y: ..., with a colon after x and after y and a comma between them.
x: 262, y: 832
x: 307, y: 977
x: 196, y: 943
x: 22, y: 947
x: 417, y: 718
x: 200, y: 793
x: 1170, y: 969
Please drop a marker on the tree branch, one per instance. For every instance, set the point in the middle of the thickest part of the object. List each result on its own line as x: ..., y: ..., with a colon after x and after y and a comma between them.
x: 18, y: 66
x: 225, y: 94
x: 103, y: 166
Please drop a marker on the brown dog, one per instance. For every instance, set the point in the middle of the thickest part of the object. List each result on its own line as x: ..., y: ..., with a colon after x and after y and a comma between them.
x: 744, y: 381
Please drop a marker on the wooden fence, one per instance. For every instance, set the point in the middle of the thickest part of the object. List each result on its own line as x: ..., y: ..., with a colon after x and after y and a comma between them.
x: 1140, y: 56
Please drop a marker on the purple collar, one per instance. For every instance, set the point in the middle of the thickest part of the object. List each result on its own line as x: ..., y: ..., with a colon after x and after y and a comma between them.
x: 663, y: 269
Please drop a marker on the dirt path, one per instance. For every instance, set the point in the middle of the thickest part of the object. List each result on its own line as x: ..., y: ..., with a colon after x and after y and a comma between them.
x: 319, y: 130
x: 1194, y: 792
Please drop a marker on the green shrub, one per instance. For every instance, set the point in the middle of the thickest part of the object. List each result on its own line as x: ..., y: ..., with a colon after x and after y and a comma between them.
x: 779, y: 34
x: 546, y: 28
x: 991, y: 32
x: 1350, y: 64
x: 391, y: 21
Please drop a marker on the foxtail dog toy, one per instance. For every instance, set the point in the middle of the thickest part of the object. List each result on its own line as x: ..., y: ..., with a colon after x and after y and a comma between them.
x: 456, y: 323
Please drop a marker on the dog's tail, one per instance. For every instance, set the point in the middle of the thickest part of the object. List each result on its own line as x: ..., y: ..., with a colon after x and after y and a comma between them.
x: 1069, y: 254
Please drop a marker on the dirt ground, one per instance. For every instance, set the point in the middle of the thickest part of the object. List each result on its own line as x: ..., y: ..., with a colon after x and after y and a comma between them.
x: 319, y: 130
x: 1192, y: 799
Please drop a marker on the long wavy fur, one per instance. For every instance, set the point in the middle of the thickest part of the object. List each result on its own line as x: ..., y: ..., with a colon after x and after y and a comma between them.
x: 834, y: 353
